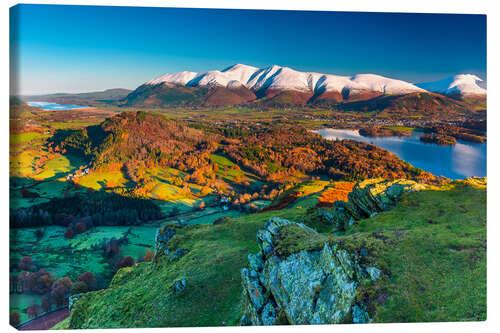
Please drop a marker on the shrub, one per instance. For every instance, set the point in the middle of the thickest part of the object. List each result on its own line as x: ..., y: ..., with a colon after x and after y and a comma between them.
x: 39, y: 234
x: 126, y: 262
x: 89, y: 279
x: 15, y: 318
x: 149, y: 255
x: 45, y: 303
x: 26, y: 263
x: 112, y: 248
x: 25, y: 193
x: 69, y: 233
x: 33, y: 310
x: 60, y: 290
x: 79, y: 287
x: 80, y: 227
x: 38, y: 282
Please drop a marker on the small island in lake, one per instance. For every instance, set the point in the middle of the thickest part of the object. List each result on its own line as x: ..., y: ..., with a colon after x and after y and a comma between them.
x: 439, y: 139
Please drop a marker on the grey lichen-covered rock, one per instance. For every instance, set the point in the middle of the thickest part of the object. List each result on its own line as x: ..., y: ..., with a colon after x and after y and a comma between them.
x: 72, y: 300
x: 268, y: 314
x: 367, y: 199
x: 307, y: 287
x: 163, y: 235
x: 359, y: 314
x: 253, y: 289
x: 255, y: 261
x: 178, y: 254
x: 180, y: 285
x: 373, y: 272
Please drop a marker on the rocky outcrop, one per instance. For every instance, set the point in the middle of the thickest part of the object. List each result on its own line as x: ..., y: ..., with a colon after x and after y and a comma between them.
x: 163, y: 236
x: 307, y: 287
x: 367, y: 199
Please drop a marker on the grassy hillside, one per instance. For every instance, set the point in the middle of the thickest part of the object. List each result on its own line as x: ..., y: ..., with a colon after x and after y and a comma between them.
x: 171, y: 95
x: 430, y: 247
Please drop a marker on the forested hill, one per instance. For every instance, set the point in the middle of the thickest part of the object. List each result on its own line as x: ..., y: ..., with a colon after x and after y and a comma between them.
x: 135, y: 140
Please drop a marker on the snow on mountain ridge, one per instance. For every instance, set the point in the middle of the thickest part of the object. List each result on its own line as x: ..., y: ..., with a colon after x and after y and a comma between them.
x: 284, y: 78
x: 463, y: 84
x: 240, y: 72
x: 176, y: 78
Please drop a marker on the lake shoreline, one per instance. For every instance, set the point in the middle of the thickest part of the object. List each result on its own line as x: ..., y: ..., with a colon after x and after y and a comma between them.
x: 462, y: 160
x: 48, y: 106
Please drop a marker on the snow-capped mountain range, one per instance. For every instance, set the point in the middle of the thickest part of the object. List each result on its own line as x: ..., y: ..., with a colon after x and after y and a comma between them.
x: 278, y: 78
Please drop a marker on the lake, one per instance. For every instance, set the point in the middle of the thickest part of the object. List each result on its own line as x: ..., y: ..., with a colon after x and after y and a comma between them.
x: 55, y: 106
x: 462, y: 160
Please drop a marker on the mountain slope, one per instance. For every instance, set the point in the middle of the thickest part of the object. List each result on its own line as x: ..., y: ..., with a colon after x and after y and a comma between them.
x: 421, y: 103
x: 172, y: 94
x: 436, y: 242
x: 463, y: 85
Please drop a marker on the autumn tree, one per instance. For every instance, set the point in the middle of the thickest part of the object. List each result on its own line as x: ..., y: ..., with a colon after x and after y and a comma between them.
x: 80, y: 227
x: 112, y: 248
x: 69, y: 233
x: 26, y: 263
x: 89, y: 279
x: 79, y: 287
x: 60, y: 290
x: 128, y: 261
x: 33, y: 310
x: 15, y: 318
x: 46, y: 304
x: 38, y: 282
x: 149, y: 255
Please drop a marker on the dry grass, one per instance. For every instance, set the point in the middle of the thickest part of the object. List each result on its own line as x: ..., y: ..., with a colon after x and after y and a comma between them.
x: 337, y: 193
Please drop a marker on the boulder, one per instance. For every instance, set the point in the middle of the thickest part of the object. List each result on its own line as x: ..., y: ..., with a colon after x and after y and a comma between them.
x: 178, y: 254
x: 308, y: 287
x: 180, y: 285
x: 72, y: 300
x: 163, y: 235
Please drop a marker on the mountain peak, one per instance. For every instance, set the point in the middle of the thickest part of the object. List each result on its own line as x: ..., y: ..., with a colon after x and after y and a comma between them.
x: 461, y: 84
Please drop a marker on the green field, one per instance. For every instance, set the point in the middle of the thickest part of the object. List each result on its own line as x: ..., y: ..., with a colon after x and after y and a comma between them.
x: 20, y: 302
x: 27, y: 138
x: 101, y: 180
x: 71, y: 257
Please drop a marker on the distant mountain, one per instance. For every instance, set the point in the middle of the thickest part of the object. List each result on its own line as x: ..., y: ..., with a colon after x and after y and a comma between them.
x: 270, y: 86
x: 463, y: 85
x: 89, y: 98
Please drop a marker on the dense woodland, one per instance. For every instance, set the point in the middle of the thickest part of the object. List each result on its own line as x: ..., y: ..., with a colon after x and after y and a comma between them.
x: 138, y: 140
x: 92, y: 208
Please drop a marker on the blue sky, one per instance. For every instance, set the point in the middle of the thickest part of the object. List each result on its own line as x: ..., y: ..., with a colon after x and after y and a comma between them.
x: 89, y: 48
